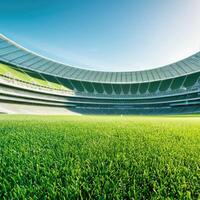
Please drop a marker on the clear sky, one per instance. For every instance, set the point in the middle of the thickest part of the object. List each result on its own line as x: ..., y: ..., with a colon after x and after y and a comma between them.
x: 105, y: 34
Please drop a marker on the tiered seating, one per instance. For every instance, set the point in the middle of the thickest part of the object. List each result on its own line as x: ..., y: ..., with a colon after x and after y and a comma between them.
x: 148, y: 111
x: 38, y: 80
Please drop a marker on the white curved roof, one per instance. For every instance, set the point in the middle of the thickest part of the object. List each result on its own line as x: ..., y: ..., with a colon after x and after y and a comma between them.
x: 11, y: 52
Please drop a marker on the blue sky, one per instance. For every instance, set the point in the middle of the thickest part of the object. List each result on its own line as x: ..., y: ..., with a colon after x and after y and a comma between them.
x: 105, y: 34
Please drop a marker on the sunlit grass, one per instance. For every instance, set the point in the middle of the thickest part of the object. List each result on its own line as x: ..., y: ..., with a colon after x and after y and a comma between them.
x: 70, y: 157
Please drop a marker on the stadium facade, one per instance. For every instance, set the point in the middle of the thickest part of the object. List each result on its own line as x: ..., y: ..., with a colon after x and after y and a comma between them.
x: 30, y: 83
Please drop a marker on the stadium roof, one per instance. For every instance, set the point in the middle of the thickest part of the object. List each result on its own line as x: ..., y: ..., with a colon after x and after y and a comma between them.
x: 11, y: 52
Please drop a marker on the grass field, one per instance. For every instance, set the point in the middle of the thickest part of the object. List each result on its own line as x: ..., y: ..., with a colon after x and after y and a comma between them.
x: 72, y: 157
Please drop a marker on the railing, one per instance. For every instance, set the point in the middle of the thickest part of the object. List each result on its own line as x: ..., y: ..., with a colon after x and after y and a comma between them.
x: 32, y: 86
x: 25, y: 85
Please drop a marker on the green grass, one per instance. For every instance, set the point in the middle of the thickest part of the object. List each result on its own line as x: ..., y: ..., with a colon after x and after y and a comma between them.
x: 72, y: 157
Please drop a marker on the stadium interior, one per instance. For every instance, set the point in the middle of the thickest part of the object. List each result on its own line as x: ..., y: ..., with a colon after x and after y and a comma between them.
x: 33, y: 84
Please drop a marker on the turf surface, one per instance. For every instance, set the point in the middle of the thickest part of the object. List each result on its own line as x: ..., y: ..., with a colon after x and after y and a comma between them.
x: 72, y: 157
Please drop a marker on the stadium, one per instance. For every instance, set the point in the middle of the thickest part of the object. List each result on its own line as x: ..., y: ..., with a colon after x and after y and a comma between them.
x: 100, y: 100
x: 34, y: 84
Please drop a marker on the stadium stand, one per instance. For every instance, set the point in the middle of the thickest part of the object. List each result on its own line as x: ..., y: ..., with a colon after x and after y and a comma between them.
x: 29, y: 82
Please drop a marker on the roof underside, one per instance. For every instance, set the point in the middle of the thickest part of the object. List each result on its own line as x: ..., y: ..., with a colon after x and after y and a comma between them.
x: 12, y: 53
